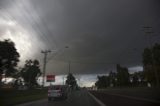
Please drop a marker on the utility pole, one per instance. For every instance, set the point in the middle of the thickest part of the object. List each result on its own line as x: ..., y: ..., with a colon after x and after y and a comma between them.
x: 69, y: 67
x: 44, y: 64
x: 148, y: 30
x: 63, y: 79
x: 69, y: 63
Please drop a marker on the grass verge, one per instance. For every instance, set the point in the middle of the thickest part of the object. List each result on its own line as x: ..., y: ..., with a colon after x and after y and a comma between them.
x: 13, y: 97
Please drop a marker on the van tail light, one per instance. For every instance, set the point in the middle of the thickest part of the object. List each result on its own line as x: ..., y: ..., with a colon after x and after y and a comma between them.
x: 49, y: 93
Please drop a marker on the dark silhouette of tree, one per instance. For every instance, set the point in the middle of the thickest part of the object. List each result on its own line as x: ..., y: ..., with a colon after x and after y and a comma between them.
x: 30, y: 72
x: 71, y: 81
x: 102, y: 82
x: 151, y: 64
x: 147, y: 58
x: 122, y: 76
x: 17, y: 83
x: 113, y: 78
x: 156, y: 54
x: 138, y: 79
x: 12, y: 72
x: 9, y: 57
x: 135, y: 79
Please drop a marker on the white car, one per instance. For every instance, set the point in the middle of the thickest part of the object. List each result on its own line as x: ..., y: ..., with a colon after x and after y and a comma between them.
x: 57, y: 91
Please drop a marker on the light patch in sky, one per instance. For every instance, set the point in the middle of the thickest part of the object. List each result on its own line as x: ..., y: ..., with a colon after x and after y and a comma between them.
x: 26, y: 43
x: 135, y: 69
x: 19, y: 36
x: 82, y: 80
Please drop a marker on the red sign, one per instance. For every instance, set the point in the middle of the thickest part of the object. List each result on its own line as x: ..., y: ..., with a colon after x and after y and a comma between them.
x: 50, y: 78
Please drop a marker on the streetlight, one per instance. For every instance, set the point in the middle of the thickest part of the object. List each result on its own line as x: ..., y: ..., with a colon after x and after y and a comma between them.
x: 69, y: 63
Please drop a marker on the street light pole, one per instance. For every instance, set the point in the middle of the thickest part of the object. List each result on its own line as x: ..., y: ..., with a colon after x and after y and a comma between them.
x: 69, y: 66
x: 44, y: 65
x: 69, y: 63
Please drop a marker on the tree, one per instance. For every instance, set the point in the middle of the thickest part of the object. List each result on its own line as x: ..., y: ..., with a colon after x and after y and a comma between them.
x: 113, y: 78
x: 30, y: 72
x: 122, y: 76
x: 135, y: 79
x: 147, y: 57
x: 102, y: 82
x: 138, y: 78
x: 151, y: 64
x: 156, y: 54
x: 71, y: 81
x: 9, y: 57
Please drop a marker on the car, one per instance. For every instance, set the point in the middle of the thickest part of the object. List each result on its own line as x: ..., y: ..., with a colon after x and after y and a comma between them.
x: 58, y: 91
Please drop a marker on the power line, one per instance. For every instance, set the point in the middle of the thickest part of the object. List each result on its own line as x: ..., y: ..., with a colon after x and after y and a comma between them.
x: 35, y: 22
x: 26, y: 18
x: 46, y: 27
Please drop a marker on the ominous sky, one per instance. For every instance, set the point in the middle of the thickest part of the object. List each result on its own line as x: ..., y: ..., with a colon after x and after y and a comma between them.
x: 99, y: 33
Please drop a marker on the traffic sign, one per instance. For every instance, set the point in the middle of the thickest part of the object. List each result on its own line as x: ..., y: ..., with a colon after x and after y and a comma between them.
x: 50, y: 78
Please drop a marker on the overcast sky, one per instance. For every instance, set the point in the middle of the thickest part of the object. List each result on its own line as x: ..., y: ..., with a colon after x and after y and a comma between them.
x: 99, y: 33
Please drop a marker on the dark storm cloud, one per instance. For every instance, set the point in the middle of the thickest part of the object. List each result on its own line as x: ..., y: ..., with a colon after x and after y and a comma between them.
x: 99, y: 34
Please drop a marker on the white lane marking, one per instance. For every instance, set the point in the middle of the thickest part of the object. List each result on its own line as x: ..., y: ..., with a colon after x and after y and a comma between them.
x: 96, y: 99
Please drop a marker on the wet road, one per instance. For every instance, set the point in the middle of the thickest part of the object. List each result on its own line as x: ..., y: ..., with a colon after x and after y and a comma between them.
x: 76, y: 98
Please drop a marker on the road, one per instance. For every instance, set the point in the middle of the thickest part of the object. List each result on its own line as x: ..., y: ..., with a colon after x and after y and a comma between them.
x: 76, y: 98
x: 83, y: 98
x: 122, y: 100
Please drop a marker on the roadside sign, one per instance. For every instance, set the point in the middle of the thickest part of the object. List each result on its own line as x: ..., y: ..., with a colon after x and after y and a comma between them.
x: 50, y: 78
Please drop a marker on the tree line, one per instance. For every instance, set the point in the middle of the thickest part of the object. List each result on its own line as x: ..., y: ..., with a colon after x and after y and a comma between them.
x: 120, y: 78
x: 150, y: 76
x: 26, y: 75
x: 9, y: 58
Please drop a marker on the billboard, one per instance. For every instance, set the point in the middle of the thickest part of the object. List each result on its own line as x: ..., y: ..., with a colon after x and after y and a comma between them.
x: 50, y: 78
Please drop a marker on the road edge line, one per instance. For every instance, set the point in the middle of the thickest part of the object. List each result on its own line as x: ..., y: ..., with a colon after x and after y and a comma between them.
x: 96, y: 99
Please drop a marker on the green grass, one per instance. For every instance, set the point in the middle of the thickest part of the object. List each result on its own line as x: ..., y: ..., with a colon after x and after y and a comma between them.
x: 13, y: 97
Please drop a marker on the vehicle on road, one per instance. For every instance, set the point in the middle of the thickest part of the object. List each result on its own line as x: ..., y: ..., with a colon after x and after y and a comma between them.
x: 58, y: 91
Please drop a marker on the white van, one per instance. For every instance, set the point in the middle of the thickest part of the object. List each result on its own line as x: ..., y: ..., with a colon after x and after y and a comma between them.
x: 57, y: 91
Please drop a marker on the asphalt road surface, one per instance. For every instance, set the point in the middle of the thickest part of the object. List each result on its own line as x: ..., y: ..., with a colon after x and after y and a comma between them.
x: 121, y: 100
x: 75, y: 98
